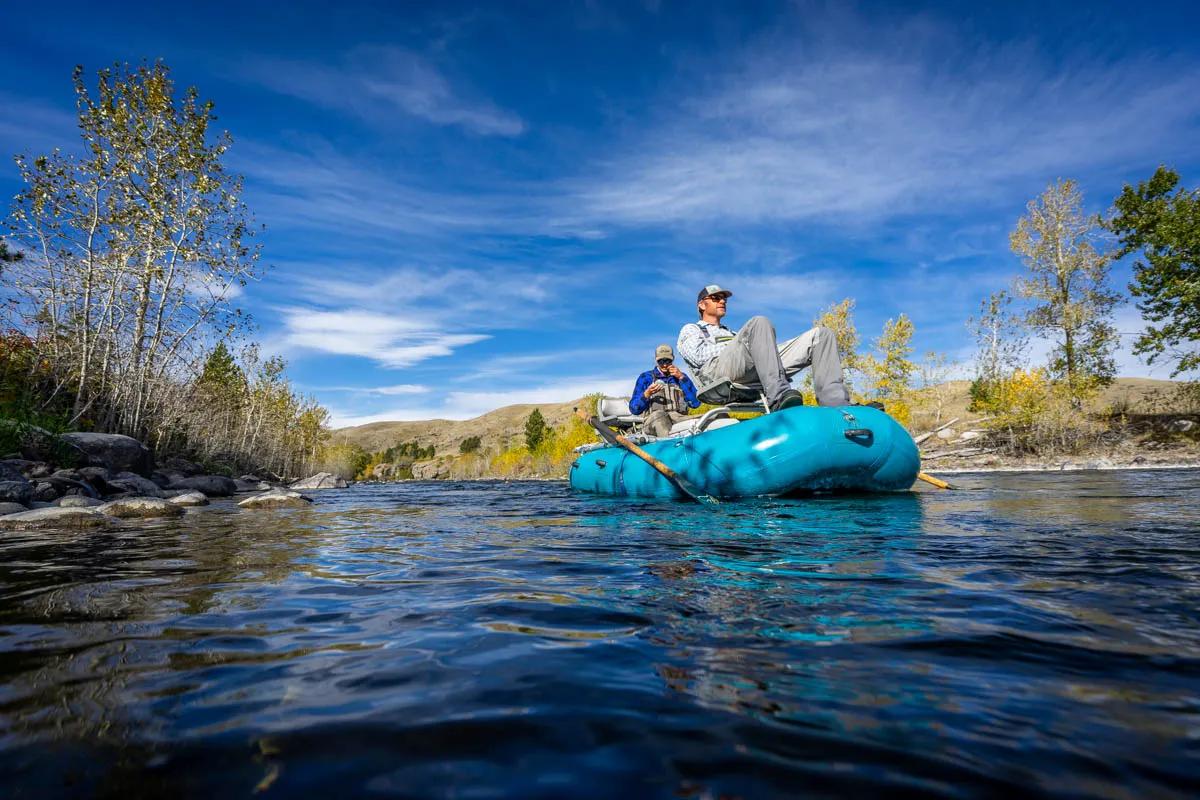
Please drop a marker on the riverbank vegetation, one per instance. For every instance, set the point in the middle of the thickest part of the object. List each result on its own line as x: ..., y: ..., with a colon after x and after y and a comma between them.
x: 121, y: 316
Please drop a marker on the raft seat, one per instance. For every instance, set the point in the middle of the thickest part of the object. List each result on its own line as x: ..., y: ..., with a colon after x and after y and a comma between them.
x: 734, y: 396
x: 614, y: 412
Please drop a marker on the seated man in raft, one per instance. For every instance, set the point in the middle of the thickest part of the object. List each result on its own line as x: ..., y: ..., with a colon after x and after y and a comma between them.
x: 662, y: 394
x: 751, y: 355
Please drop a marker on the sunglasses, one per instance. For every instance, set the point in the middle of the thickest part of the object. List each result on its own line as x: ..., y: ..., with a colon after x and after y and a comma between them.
x: 717, y: 298
x: 662, y: 362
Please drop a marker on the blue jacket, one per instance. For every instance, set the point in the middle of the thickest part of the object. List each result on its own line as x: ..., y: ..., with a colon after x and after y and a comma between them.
x: 638, y: 402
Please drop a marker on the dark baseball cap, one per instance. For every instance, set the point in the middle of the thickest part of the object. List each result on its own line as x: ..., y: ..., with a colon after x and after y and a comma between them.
x: 710, y: 290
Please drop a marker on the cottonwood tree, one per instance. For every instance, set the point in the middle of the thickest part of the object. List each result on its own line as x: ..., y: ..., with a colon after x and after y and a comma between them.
x: 1163, y: 222
x: 839, y: 317
x: 1066, y: 278
x: 1001, y: 340
x: 136, y: 245
x: 890, y: 371
x: 934, y: 374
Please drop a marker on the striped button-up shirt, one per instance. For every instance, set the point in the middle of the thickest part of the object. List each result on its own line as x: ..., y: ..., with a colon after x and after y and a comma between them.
x: 699, y: 342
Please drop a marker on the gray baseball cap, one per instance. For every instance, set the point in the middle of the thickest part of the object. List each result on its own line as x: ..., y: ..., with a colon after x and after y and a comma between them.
x: 710, y: 290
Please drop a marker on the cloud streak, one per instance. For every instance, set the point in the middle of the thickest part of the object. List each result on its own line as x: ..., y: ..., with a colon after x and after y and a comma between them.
x: 392, y: 342
x: 375, y: 82
x: 919, y: 120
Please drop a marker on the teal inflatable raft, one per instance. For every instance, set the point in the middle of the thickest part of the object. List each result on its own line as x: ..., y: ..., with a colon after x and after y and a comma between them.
x: 798, y: 450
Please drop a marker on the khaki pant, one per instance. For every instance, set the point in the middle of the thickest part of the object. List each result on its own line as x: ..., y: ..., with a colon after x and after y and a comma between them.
x: 659, y: 421
x: 754, y: 357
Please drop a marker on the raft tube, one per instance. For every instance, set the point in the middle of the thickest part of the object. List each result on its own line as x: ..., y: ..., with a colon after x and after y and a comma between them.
x: 797, y: 450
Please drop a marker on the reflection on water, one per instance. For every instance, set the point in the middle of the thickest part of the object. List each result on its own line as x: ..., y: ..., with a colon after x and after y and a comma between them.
x: 1030, y: 632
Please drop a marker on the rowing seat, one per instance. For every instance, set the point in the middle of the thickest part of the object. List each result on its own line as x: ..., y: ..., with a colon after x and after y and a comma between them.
x: 733, y: 396
x: 614, y: 412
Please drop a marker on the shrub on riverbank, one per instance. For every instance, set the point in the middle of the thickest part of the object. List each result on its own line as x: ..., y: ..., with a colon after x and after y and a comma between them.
x: 551, y: 458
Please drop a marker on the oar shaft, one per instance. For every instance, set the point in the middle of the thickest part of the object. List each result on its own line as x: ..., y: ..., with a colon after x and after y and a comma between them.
x: 938, y: 482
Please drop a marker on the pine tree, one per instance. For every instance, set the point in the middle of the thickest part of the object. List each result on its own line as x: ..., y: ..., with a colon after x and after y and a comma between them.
x: 1163, y: 222
x: 535, y: 430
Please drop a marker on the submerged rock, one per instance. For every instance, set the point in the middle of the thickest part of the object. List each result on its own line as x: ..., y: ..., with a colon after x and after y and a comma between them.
x: 135, y: 507
x: 79, y: 501
x: 43, y: 518
x: 322, y: 480
x: 276, y: 498
x: 188, y: 497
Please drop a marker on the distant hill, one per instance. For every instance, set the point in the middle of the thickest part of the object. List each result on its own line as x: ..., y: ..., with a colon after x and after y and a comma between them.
x: 504, y: 426
x: 495, y: 429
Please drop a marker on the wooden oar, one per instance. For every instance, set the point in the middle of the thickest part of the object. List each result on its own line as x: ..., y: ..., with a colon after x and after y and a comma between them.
x: 617, y: 440
x: 938, y: 482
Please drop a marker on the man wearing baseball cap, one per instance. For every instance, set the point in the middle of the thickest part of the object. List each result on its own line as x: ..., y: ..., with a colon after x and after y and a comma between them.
x: 663, y: 394
x: 752, y: 355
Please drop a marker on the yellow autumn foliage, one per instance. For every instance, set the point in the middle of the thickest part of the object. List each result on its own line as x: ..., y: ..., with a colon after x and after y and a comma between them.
x: 1032, y: 413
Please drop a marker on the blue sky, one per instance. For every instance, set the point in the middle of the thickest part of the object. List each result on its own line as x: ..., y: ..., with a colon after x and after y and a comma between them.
x: 479, y: 204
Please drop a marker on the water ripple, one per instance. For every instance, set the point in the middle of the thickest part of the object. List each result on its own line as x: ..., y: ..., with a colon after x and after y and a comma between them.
x: 1031, y: 633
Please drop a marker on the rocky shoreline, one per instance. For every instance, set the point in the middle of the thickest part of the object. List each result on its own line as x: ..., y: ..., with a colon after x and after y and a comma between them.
x: 115, y: 478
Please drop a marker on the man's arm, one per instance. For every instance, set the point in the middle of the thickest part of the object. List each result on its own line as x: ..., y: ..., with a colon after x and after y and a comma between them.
x: 691, y: 345
x: 637, y: 401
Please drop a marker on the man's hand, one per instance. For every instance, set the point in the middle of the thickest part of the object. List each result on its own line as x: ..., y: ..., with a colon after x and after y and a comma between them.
x: 652, y: 389
x: 674, y: 372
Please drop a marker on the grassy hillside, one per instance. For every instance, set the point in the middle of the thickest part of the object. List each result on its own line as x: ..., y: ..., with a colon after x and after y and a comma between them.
x: 505, y: 426
x: 497, y: 429
x: 1132, y: 395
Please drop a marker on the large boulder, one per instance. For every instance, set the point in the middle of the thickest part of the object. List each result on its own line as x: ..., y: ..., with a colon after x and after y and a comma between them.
x: 17, y: 491
x: 136, y: 507
x: 322, y: 480
x: 11, y: 508
x: 211, y: 485
x: 41, y: 518
x: 438, y: 469
x: 276, y: 498
x: 113, y: 451
x: 251, y: 486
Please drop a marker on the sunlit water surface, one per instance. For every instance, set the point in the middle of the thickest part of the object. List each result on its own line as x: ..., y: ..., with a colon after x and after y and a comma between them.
x: 1031, y: 632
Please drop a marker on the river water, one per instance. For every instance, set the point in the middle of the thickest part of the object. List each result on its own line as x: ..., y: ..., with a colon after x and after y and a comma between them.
x: 1032, y: 632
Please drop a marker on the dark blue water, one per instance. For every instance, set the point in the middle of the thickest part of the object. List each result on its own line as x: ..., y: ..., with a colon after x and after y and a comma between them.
x: 1037, y: 633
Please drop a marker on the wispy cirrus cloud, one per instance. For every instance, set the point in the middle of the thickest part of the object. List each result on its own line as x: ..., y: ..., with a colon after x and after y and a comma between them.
x: 375, y: 82
x: 384, y: 391
x: 33, y: 127
x: 862, y: 124
x: 391, y: 341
